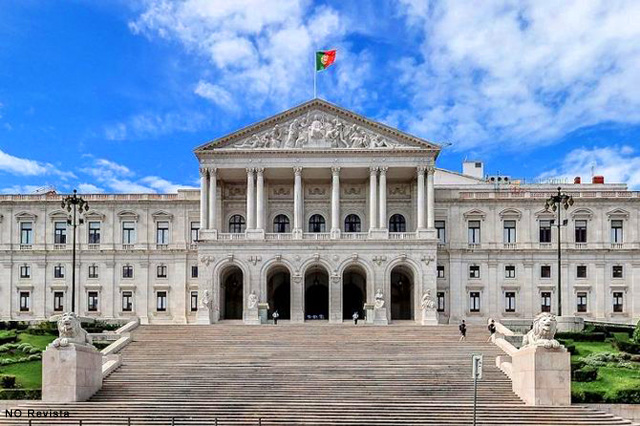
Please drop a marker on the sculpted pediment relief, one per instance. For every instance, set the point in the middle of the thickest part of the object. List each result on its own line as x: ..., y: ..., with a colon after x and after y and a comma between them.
x: 317, y: 125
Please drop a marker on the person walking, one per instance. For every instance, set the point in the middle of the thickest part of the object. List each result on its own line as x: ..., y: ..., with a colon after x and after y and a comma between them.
x: 355, y: 317
x: 275, y: 316
x: 492, y: 330
x: 463, y: 331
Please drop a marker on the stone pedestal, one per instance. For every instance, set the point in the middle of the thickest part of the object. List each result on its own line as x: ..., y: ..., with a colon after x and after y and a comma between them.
x: 380, y: 316
x: 429, y: 317
x: 252, y: 316
x: 542, y: 376
x: 71, y: 373
x: 369, y: 315
x: 570, y: 324
x: 255, y: 234
x: 263, y: 313
x: 204, y: 316
x: 379, y: 234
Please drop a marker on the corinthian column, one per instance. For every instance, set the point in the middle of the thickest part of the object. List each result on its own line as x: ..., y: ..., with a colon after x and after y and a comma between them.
x: 213, y: 188
x: 260, y: 198
x: 204, y: 198
x: 420, y: 203
x: 383, y: 198
x: 297, y: 200
x: 335, y: 200
x: 430, y: 198
x: 251, y: 200
x: 373, y: 193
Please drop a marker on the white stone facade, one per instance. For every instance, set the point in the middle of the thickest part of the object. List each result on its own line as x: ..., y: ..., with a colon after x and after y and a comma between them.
x: 314, y: 211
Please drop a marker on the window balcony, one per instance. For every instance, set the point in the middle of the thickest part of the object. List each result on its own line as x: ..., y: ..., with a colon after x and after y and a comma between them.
x: 59, y: 246
x: 26, y: 246
x: 128, y: 246
x: 162, y: 246
x: 509, y: 246
x: 473, y: 246
x: 278, y: 236
x: 354, y: 236
x: 580, y: 246
x: 193, y: 246
x: 402, y: 235
x: 617, y: 246
x: 546, y: 245
x: 93, y: 246
x: 316, y: 236
x: 234, y: 236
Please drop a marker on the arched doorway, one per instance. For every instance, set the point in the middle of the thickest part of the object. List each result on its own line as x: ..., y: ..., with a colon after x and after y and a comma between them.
x: 316, y: 294
x: 401, y: 293
x: 231, y: 293
x: 279, y: 292
x: 354, y: 292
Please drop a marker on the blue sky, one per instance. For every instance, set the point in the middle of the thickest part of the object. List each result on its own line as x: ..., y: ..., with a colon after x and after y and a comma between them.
x: 112, y: 96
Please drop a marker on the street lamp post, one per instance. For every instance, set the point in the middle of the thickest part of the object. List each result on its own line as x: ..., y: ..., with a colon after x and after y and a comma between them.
x: 78, y: 206
x: 555, y: 202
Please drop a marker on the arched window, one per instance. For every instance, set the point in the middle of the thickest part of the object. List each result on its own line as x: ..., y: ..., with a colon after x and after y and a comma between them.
x: 352, y: 223
x: 281, y: 224
x: 397, y: 223
x: 236, y: 224
x: 317, y: 223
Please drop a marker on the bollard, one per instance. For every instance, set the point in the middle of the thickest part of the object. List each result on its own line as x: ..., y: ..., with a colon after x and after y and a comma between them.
x: 173, y: 421
x: 80, y: 423
x: 29, y: 422
x: 128, y: 421
x: 259, y: 421
x: 216, y: 421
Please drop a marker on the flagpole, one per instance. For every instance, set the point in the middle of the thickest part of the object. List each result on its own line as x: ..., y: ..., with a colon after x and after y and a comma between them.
x: 315, y: 73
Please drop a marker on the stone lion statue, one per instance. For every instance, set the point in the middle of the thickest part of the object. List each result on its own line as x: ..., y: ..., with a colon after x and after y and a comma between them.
x: 71, y: 332
x: 542, y: 333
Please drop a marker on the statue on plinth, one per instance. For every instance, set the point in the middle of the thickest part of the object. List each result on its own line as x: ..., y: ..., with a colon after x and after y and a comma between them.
x: 207, y: 302
x: 543, y: 332
x: 71, y: 332
x: 427, y: 303
x: 379, y: 303
x: 253, y: 300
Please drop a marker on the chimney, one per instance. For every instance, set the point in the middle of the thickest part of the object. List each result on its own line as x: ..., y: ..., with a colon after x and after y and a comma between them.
x: 577, y: 180
x: 598, y: 180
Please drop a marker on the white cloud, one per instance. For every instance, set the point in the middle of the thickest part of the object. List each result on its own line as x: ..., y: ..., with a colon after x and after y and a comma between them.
x: 618, y: 164
x: 260, y: 51
x: 522, y: 71
x: 161, y: 185
x: 215, y: 94
x: 88, y: 188
x: 148, y: 125
x: 20, y: 189
x: 26, y: 167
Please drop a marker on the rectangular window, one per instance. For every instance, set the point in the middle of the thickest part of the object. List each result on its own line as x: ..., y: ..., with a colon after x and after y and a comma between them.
x: 474, y: 301
x: 474, y: 232
x: 92, y: 301
x: 474, y: 271
x: 617, y: 271
x: 194, y: 271
x: 581, y: 271
x: 162, y: 301
x: 58, y: 301
x: 94, y: 232
x: 510, y: 271
x: 93, y: 271
x: 26, y: 232
x: 545, y: 300
x: 616, y: 231
x: 161, y: 271
x: 440, y: 270
x: 545, y: 271
x: 25, y: 271
x: 582, y: 302
x: 58, y: 271
x: 194, y: 301
x: 509, y: 232
x: 25, y: 303
x: 127, y: 271
x: 510, y: 301
x: 545, y: 231
x: 195, y: 231
x: 128, y: 232
x: 60, y: 233
x: 441, y: 231
x: 581, y: 231
x: 440, y: 295
x: 162, y: 233
x: 617, y: 301
x: 127, y: 301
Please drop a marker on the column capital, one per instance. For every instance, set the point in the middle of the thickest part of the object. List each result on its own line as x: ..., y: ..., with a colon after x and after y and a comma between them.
x: 259, y: 170
x: 383, y: 169
x: 213, y: 171
x: 203, y: 171
x: 373, y: 170
x: 431, y: 169
x: 335, y: 170
x: 297, y: 170
x: 250, y: 170
x: 421, y: 169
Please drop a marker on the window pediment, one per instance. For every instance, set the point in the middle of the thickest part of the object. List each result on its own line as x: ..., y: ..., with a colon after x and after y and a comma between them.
x: 543, y: 214
x: 511, y: 214
x: 474, y: 214
x: 618, y: 213
x: 93, y: 215
x: 25, y: 216
x: 58, y: 215
x: 128, y: 214
x: 582, y: 214
x: 162, y: 215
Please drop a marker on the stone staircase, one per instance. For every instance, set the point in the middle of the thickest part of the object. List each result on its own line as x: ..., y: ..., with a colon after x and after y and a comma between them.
x: 312, y: 374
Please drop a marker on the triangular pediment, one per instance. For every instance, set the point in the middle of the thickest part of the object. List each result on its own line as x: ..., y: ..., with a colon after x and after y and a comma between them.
x: 316, y: 125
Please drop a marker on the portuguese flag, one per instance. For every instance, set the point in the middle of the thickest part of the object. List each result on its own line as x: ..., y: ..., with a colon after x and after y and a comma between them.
x: 324, y: 59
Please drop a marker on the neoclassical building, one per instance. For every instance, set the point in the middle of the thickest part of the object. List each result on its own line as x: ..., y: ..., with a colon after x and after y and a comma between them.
x: 318, y: 212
